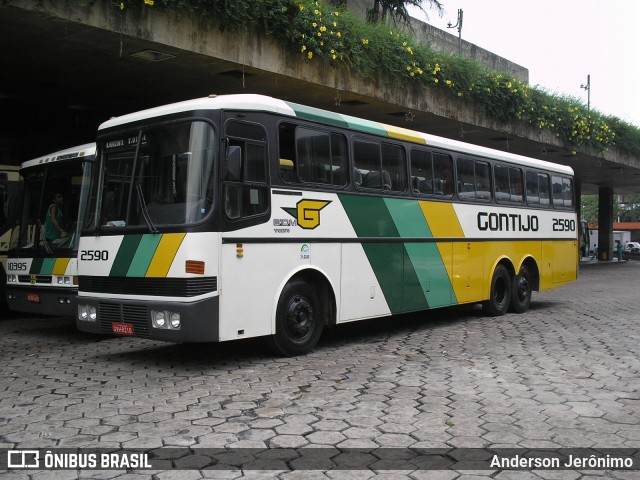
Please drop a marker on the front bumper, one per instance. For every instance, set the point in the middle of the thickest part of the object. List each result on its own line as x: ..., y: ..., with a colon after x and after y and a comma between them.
x: 199, y: 319
x: 55, y: 301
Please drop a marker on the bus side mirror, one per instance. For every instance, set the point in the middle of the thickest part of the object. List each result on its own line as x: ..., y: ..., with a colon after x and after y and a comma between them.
x: 233, y: 163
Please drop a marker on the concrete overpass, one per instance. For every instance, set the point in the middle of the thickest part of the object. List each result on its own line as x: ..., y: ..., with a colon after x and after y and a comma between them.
x: 68, y: 68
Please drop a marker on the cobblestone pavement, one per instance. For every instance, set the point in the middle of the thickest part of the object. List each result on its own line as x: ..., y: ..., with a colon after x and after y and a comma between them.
x: 565, y: 374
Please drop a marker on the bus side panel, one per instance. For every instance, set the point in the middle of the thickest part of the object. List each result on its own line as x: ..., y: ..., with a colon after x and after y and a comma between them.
x: 250, y: 283
x: 469, y: 270
x: 361, y: 294
x: 562, y: 258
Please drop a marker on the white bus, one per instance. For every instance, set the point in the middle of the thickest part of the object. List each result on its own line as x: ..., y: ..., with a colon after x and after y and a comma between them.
x: 241, y: 216
x: 9, y: 191
x: 42, y: 265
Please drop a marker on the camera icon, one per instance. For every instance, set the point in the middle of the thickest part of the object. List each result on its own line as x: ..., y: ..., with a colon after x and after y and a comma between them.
x: 23, y: 459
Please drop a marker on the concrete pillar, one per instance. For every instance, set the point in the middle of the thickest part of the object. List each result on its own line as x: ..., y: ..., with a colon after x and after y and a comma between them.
x: 605, y: 223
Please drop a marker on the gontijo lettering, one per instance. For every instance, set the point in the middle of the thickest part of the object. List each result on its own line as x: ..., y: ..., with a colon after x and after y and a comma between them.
x: 507, y: 222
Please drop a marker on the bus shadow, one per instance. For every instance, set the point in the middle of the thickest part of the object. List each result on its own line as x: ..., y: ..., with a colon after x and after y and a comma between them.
x: 382, y: 329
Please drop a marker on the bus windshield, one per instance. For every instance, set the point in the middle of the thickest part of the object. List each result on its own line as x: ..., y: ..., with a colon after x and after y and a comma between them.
x: 51, y: 198
x: 155, y: 177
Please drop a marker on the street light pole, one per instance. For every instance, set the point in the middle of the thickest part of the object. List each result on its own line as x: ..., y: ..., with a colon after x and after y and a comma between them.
x: 458, y: 25
x: 587, y: 87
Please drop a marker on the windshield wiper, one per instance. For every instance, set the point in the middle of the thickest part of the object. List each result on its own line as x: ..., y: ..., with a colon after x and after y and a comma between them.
x: 145, y: 212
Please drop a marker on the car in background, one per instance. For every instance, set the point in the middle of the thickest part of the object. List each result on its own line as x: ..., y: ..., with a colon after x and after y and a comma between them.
x: 632, y: 247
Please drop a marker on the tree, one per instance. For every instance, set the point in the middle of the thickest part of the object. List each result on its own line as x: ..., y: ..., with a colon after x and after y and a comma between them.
x: 397, y: 9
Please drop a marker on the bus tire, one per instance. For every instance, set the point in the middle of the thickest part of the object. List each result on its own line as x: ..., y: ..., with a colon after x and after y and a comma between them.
x: 521, y: 291
x: 299, y: 320
x: 500, y: 295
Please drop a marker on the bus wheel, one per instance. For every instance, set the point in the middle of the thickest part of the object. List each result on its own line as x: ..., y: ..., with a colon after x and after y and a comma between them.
x: 299, y: 320
x: 521, y: 291
x: 500, y: 295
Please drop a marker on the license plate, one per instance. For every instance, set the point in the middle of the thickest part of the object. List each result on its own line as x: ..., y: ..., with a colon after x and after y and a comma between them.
x: 33, y: 298
x: 122, y: 328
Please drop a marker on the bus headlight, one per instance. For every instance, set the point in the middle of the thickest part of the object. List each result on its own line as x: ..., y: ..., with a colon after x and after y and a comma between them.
x: 60, y: 280
x: 175, y: 320
x: 87, y: 312
x: 166, y: 319
x: 159, y: 319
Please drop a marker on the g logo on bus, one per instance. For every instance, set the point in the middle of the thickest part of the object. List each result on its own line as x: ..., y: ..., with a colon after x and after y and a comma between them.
x: 32, y: 279
x: 307, y: 212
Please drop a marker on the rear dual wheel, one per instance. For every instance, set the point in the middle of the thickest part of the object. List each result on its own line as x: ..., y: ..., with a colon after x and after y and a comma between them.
x: 508, y: 293
x: 521, y: 291
x: 500, y: 295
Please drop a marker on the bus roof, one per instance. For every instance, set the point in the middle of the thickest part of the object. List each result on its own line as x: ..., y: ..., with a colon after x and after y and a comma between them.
x: 264, y: 103
x: 86, y: 150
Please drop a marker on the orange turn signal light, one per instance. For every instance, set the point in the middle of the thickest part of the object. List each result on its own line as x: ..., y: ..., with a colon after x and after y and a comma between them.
x: 194, y: 266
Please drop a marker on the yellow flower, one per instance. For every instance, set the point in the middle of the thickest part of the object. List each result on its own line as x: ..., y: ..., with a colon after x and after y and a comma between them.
x: 404, y: 44
x: 337, y: 14
x: 310, y: 55
x: 408, y: 69
x: 323, y: 28
x: 314, y: 24
x: 335, y: 24
x: 317, y: 12
x: 304, y: 47
x: 449, y: 82
x: 334, y: 57
x: 121, y: 5
x: 149, y: 2
x: 459, y: 94
x: 319, y: 34
x: 301, y: 6
x: 365, y: 41
x: 333, y: 51
x: 412, y: 74
x: 435, y: 80
x: 339, y: 35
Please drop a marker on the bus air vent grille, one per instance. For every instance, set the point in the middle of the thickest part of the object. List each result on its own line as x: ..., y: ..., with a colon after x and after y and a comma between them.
x: 161, y: 287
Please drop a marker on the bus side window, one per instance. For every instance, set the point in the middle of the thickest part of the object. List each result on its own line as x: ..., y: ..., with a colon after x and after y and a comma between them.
x: 533, y: 195
x: 421, y: 172
x: 442, y: 174
x: 287, y: 153
x: 543, y: 188
x: 393, y: 164
x: 247, y: 196
x: 557, y: 193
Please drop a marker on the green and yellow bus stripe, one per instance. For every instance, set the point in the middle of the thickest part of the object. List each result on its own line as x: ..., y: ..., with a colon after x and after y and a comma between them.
x: 149, y: 255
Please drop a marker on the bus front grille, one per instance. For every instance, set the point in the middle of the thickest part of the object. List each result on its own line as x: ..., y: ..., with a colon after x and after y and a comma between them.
x: 136, y: 315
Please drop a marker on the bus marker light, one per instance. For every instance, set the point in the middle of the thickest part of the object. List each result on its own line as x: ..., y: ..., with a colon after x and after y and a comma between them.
x: 239, y: 250
x: 194, y: 266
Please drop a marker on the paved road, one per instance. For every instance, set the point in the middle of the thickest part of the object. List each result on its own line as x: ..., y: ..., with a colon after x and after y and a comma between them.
x: 565, y: 374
